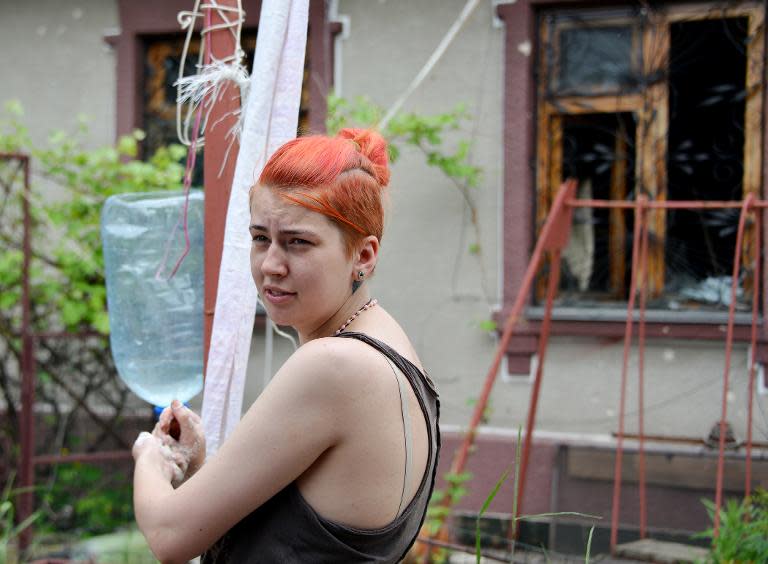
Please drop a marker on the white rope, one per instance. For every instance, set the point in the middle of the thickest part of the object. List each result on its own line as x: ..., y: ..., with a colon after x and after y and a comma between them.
x: 269, y: 347
x: 206, y: 87
x: 469, y: 7
x: 284, y: 335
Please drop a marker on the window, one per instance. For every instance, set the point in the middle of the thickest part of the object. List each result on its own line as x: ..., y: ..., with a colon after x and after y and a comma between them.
x: 666, y: 102
x: 162, y: 59
x: 161, y: 69
x: 148, y: 46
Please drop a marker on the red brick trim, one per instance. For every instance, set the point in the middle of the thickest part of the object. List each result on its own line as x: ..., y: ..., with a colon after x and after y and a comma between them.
x: 519, y: 164
x: 519, y: 195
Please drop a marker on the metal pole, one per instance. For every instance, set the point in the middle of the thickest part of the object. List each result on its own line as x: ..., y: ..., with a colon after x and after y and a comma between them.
x: 667, y: 204
x: 746, y: 205
x: 553, y: 235
x: 552, y: 286
x: 640, y: 205
x: 643, y: 283
x: 26, y: 471
x: 549, y: 231
x: 753, y: 350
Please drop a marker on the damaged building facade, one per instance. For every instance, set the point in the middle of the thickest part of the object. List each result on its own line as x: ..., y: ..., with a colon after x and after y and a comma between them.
x: 662, y: 99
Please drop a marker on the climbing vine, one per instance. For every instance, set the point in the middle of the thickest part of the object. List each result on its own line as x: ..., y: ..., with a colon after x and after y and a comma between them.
x: 437, y: 137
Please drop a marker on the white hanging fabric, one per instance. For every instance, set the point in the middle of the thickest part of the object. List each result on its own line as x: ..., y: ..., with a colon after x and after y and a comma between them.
x: 270, y: 119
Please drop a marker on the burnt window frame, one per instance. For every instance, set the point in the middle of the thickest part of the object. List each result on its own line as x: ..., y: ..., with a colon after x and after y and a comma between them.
x: 649, y: 103
x: 521, y: 46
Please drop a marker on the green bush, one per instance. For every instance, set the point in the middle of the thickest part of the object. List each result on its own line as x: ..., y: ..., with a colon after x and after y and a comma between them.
x: 9, y: 529
x: 70, y: 180
x: 67, y: 277
x: 87, y: 500
x: 743, y: 535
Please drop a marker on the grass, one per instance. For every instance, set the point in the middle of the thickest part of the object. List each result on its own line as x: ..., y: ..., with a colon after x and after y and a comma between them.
x: 515, y: 517
x: 743, y: 535
x: 9, y: 532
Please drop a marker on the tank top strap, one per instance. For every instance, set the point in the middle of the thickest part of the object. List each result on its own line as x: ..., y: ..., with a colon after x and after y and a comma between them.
x: 407, y: 431
x: 423, y: 387
x: 417, y: 377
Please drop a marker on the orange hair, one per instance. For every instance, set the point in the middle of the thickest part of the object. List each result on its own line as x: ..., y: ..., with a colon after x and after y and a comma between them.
x: 341, y: 177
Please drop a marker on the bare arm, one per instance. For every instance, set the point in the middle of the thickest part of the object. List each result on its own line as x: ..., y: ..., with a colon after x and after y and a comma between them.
x: 300, y: 415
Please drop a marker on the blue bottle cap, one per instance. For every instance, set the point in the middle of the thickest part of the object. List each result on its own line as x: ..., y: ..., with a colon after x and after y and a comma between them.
x: 158, y: 409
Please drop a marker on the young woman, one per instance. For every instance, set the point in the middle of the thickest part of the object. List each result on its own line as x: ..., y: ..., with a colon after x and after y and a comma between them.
x: 335, y: 461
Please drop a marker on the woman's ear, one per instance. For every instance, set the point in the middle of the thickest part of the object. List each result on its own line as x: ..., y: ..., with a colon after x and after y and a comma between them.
x: 366, y: 256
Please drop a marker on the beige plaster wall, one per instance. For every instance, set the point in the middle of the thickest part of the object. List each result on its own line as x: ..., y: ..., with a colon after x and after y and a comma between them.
x: 426, y: 277
x: 434, y: 287
x: 55, y: 61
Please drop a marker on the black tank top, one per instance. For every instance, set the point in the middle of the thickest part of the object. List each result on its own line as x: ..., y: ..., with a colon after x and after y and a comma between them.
x: 286, y: 529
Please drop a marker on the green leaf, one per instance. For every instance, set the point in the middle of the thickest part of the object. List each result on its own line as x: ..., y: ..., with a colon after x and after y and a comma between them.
x: 484, y: 508
x: 589, y: 544
x: 101, y: 322
x: 8, y: 299
x: 14, y: 108
x: 73, y: 312
x: 518, y: 448
x: 127, y: 145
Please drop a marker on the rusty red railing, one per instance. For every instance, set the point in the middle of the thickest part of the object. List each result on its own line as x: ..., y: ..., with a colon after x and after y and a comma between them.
x: 553, y: 239
x: 29, y: 339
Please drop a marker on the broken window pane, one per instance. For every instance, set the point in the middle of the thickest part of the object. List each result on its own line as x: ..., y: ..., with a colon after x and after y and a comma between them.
x: 706, y: 158
x: 596, y: 60
x: 599, y: 150
x: 690, y: 134
x: 162, y: 64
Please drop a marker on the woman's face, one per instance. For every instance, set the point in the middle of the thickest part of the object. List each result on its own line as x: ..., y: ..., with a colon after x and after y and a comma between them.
x: 298, y: 262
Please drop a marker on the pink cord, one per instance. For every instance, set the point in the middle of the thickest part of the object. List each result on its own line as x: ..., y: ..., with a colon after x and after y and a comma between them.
x: 190, y: 166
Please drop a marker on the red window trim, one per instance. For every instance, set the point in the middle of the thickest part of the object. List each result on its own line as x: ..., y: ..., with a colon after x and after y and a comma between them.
x: 140, y: 18
x: 519, y: 197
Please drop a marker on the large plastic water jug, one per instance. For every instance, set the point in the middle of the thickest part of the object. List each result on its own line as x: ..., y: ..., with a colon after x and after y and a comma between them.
x: 156, y: 321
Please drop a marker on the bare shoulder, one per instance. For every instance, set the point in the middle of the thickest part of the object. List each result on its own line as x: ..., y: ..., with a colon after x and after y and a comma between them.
x: 331, y: 365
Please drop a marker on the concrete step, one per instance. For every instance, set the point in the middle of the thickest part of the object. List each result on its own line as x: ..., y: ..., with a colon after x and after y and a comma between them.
x: 649, y: 550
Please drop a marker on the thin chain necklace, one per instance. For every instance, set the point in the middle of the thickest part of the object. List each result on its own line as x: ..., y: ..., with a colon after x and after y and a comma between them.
x: 368, y: 305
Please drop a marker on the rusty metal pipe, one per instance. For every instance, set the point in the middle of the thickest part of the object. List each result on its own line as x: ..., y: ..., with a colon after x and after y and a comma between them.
x: 666, y: 204
x: 549, y: 229
x: 26, y: 473
x: 643, y: 287
x: 552, y: 286
x: 103, y: 456
x: 746, y: 205
x: 753, y: 351
x: 640, y: 215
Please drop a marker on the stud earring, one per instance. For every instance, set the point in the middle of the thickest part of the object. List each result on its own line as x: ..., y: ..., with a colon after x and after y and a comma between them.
x: 357, y: 283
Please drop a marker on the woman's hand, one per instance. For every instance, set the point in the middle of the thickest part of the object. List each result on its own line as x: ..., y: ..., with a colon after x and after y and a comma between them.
x: 149, y: 449
x: 188, y: 452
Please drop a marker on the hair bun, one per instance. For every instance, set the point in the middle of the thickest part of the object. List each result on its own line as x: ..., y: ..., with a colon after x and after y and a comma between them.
x: 373, y: 146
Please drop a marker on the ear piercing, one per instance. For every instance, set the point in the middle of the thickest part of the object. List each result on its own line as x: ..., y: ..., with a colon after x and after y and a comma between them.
x: 356, y: 283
